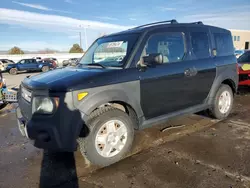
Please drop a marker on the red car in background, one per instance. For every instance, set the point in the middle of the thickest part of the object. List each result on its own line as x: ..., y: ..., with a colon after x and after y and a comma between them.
x: 244, y: 69
x: 52, y: 62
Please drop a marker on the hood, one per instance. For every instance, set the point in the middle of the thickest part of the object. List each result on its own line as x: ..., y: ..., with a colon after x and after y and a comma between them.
x: 64, y: 79
x: 11, y: 65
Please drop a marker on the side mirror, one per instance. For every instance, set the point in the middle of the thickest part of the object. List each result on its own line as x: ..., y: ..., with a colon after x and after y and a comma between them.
x: 214, y: 52
x: 153, y: 59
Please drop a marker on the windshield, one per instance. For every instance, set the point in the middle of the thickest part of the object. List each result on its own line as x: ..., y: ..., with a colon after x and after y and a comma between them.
x: 110, y: 51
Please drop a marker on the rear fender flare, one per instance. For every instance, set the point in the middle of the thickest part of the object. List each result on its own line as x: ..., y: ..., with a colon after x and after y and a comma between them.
x: 217, y: 83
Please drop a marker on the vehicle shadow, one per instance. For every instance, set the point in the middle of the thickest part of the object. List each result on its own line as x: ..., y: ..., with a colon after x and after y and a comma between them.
x: 58, y: 169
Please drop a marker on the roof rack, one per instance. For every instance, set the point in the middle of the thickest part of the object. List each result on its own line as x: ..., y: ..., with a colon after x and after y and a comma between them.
x: 199, y: 22
x: 156, y: 23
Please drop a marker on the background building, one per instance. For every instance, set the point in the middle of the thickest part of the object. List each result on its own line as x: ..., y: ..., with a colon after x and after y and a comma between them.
x: 241, y: 39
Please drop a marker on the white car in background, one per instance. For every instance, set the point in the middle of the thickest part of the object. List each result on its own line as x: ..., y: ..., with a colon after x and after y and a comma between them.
x: 2, y: 68
x: 4, y: 63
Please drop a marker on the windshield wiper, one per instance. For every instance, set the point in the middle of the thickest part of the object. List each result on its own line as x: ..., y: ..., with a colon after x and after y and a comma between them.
x: 95, y: 65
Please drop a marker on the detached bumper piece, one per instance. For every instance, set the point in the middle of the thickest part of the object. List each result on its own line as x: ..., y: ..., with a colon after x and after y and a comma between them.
x: 9, y: 96
x: 21, y: 123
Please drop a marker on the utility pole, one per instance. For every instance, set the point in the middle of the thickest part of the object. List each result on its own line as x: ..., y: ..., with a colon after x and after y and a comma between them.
x: 86, y: 40
x: 80, y: 34
x: 85, y: 35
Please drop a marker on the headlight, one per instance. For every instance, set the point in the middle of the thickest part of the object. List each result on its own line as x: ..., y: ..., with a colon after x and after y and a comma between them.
x: 44, y: 105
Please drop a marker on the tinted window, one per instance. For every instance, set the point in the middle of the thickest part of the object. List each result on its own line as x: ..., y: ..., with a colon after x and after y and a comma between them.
x: 245, y: 58
x: 170, y: 45
x: 223, y: 44
x: 200, y: 44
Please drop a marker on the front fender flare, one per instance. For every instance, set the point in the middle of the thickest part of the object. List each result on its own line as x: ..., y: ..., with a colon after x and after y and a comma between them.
x: 92, y: 102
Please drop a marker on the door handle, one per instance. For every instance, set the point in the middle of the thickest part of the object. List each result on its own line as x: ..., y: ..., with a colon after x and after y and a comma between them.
x: 187, y: 72
x: 190, y: 72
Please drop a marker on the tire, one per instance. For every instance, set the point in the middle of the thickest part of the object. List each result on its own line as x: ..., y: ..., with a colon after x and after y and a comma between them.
x: 216, y: 110
x: 45, y: 69
x: 95, y: 152
x: 13, y: 71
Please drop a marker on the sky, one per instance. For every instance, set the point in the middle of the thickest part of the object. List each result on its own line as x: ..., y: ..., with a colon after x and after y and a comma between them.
x: 55, y: 24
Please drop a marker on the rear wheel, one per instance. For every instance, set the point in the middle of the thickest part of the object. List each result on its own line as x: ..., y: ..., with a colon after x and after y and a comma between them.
x: 110, y: 138
x: 223, y: 102
x: 45, y: 69
x: 13, y: 71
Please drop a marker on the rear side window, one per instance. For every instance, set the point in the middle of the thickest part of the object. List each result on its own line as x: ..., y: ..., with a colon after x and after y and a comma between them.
x: 200, y: 44
x: 224, y: 44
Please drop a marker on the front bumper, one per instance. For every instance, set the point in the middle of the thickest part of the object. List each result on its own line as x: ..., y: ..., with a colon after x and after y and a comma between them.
x: 58, y: 131
x: 43, y: 136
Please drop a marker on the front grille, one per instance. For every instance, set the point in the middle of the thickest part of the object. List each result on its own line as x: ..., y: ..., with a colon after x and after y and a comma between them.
x: 243, y: 77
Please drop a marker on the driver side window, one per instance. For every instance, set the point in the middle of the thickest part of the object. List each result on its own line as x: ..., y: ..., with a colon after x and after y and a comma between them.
x: 170, y: 45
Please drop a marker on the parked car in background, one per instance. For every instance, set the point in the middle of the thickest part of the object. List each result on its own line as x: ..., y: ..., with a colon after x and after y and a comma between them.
x: 37, y: 58
x: 2, y: 68
x: 70, y: 61
x: 244, y: 69
x: 29, y: 65
x: 50, y: 60
x: 74, y: 63
x: 4, y: 63
x: 238, y: 53
x: 54, y: 60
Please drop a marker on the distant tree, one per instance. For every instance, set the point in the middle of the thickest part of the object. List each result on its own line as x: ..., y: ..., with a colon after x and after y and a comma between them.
x: 76, y: 49
x: 15, y: 50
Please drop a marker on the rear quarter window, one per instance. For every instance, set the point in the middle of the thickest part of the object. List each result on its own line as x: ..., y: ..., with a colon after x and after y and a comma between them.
x: 200, y: 45
x: 223, y: 44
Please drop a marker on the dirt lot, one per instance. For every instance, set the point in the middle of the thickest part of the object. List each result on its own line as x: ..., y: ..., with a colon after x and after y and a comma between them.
x: 195, y: 152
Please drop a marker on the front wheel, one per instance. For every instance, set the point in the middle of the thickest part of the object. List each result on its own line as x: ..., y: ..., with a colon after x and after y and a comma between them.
x: 110, y: 138
x: 223, y: 102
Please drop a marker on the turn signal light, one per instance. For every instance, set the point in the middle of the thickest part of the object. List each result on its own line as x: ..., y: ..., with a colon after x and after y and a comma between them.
x: 81, y: 96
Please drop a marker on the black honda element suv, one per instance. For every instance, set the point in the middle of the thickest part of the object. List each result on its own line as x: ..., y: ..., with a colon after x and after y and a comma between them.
x: 128, y: 81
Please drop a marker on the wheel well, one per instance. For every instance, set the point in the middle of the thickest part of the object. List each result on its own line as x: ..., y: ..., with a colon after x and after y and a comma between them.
x: 128, y: 109
x: 231, y: 84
